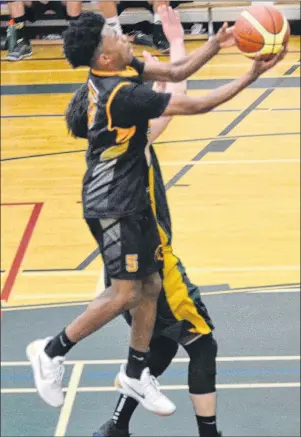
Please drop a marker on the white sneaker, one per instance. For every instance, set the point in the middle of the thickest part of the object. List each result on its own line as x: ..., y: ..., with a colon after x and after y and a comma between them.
x: 146, y: 391
x: 48, y: 373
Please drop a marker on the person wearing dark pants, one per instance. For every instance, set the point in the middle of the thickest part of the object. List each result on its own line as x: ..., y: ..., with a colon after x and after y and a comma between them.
x: 19, y: 46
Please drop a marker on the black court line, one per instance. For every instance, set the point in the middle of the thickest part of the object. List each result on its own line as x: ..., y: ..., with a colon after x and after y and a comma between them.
x: 16, y: 158
x: 39, y: 59
x: 189, y: 140
x: 203, y: 84
x: 292, y: 70
x: 159, y: 55
x: 246, y: 112
x: 31, y: 116
x: 213, y: 146
x: 88, y: 260
x: 215, y: 111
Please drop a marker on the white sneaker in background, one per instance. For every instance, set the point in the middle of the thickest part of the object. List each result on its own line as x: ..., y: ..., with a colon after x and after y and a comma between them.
x: 48, y: 373
x: 146, y: 391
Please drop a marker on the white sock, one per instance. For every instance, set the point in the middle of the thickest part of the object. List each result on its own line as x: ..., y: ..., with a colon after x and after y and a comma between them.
x: 157, y: 18
x: 114, y: 23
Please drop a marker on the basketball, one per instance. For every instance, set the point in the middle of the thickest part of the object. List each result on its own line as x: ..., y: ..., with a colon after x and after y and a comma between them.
x: 261, y: 29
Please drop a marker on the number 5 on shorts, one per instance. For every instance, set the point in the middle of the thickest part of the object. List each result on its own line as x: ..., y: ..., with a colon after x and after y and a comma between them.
x: 131, y: 263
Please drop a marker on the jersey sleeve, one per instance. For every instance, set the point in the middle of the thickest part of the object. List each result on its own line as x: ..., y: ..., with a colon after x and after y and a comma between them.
x: 137, y: 65
x: 134, y: 104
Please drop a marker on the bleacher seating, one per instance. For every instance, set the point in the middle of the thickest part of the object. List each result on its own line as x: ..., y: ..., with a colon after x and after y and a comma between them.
x: 198, y: 11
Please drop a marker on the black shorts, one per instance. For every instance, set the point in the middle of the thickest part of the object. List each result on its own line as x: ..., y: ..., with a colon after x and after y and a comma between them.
x: 130, y: 246
x: 124, y: 4
x: 37, y: 10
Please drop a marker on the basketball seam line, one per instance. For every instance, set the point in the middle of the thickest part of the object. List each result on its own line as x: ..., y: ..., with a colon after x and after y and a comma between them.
x: 274, y: 26
x: 256, y: 42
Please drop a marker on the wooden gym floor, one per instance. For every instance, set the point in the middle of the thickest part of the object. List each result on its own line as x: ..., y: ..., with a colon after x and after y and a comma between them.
x: 233, y: 180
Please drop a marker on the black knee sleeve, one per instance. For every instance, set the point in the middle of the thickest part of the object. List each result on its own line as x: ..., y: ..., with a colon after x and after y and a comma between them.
x: 161, y: 353
x: 202, y: 365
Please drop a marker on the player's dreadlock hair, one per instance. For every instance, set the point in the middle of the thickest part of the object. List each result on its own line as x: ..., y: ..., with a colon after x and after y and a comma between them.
x: 82, y: 38
x: 76, y: 115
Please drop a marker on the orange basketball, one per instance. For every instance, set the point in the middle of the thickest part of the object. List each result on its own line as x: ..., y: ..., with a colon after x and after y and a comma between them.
x: 261, y: 29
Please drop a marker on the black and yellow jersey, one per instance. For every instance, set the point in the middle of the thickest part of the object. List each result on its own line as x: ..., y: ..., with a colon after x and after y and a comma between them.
x: 159, y: 199
x: 120, y: 107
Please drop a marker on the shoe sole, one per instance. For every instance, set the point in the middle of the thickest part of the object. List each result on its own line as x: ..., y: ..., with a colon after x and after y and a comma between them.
x: 8, y: 58
x: 164, y: 51
x: 129, y: 392
x: 30, y: 356
x: 139, y: 43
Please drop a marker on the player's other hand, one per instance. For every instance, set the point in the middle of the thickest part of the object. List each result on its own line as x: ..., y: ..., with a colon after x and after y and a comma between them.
x: 159, y: 87
x: 171, y: 24
x: 225, y: 36
x: 260, y: 65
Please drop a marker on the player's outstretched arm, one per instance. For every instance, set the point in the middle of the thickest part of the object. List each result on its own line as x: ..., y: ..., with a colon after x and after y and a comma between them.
x: 188, y: 65
x: 185, y: 105
x: 177, y: 51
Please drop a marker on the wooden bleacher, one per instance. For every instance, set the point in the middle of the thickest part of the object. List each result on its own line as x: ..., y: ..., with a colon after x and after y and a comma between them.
x: 198, y: 11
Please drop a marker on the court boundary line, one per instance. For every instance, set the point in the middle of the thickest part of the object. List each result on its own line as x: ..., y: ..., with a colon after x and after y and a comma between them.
x: 294, y: 287
x: 253, y: 385
x: 209, y: 293
x: 214, y: 111
x: 243, y: 291
x: 67, y: 408
x: 250, y: 358
x: 188, y: 140
x: 22, y: 247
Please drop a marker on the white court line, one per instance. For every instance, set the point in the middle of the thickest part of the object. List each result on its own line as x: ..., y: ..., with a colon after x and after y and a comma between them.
x: 251, y: 291
x: 86, y: 302
x: 244, y: 269
x: 191, y: 269
x: 282, y: 290
x: 86, y: 296
x: 69, y: 400
x: 175, y: 360
x: 163, y: 387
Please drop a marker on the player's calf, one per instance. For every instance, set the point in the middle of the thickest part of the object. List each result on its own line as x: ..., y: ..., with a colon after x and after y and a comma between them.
x: 201, y: 381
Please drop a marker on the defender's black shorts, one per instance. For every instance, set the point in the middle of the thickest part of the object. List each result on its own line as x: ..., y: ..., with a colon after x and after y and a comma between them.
x: 124, y: 4
x: 181, y: 314
x: 130, y: 246
x: 37, y: 10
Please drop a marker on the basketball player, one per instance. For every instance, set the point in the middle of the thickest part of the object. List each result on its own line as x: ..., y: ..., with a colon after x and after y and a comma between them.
x: 182, y: 318
x: 117, y: 206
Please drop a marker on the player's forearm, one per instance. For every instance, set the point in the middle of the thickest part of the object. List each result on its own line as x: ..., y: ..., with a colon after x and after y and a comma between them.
x: 224, y: 93
x: 185, y: 67
x: 184, y: 105
x: 177, y: 52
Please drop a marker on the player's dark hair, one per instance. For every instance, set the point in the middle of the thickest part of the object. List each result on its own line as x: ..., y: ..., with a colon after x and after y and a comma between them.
x: 82, y: 38
x: 76, y: 114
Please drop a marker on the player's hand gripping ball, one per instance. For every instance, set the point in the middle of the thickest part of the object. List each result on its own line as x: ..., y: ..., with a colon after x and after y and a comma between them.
x: 261, y: 30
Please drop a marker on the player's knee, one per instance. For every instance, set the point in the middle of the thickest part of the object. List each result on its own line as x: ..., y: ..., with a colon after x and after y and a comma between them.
x: 152, y: 286
x: 128, y: 293
x: 162, y: 352
x: 202, y: 366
